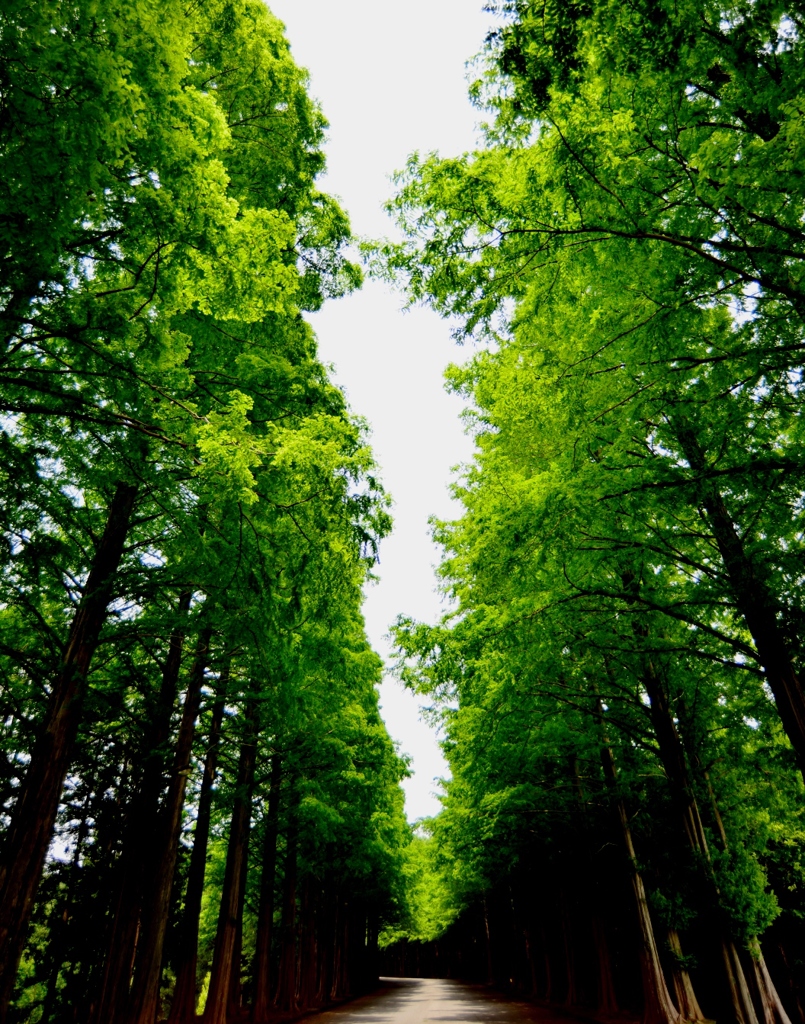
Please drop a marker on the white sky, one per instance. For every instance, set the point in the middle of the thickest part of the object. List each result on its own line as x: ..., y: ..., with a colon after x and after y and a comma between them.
x: 391, y: 79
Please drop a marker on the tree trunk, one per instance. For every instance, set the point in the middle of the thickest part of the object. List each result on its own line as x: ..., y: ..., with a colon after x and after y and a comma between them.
x: 34, y: 813
x: 235, y: 983
x: 771, y: 1008
x: 183, y: 1004
x: 658, y: 1006
x: 236, y: 863
x: 261, y: 972
x: 754, y: 602
x: 672, y: 756
x: 143, y: 1003
x: 571, y: 994
x: 286, y: 983
x: 490, y: 973
x: 683, y: 986
x: 136, y: 862
x: 605, y: 997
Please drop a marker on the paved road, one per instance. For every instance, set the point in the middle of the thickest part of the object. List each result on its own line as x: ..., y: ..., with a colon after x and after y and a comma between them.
x: 421, y: 1000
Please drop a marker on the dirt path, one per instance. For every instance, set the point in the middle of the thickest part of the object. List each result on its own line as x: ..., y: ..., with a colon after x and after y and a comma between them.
x: 421, y: 1000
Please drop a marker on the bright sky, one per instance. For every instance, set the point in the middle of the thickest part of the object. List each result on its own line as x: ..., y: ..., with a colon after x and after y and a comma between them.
x: 391, y: 79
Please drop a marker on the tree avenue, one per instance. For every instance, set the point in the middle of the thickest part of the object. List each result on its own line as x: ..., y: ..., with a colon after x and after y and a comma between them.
x: 201, y: 810
x: 201, y: 806
x: 619, y: 676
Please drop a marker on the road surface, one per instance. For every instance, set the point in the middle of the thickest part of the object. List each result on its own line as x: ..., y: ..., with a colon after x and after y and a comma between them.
x: 428, y: 1001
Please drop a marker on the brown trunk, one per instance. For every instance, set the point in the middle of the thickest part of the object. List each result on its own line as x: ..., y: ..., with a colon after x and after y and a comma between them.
x: 265, y: 921
x: 771, y: 1008
x: 286, y: 983
x: 34, y: 813
x: 683, y: 986
x: 546, y: 960
x: 307, y: 957
x: 335, y: 961
x: 658, y: 1006
x: 137, y: 858
x: 754, y: 602
x: 144, y: 999
x: 672, y: 756
x: 571, y: 995
x: 606, y: 999
x: 236, y: 863
x: 183, y: 1004
x: 235, y: 987
x: 490, y: 974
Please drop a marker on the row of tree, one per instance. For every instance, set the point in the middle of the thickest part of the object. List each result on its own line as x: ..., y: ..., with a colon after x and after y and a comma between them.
x: 619, y: 677
x: 196, y: 788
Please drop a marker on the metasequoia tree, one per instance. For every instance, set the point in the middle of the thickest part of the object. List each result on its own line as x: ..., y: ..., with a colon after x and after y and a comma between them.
x: 183, y: 488
x: 624, y: 247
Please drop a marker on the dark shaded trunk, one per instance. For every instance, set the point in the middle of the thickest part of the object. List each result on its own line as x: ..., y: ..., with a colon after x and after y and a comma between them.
x: 683, y: 986
x: 306, y: 990
x: 672, y: 756
x: 286, y: 982
x: 754, y: 602
x: 606, y: 1000
x: 605, y: 997
x: 571, y: 994
x: 137, y: 859
x: 183, y: 1004
x: 235, y: 980
x: 261, y: 972
x: 59, y: 931
x: 218, y: 997
x: 144, y: 1000
x: 658, y: 1007
x: 490, y: 974
x: 771, y: 1009
x: 34, y: 814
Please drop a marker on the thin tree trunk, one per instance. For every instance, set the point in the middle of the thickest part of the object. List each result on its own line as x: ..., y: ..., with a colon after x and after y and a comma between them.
x: 771, y: 1008
x: 605, y: 997
x: 490, y: 975
x: 236, y: 862
x: 683, y: 986
x: 137, y: 857
x: 183, y: 1004
x: 235, y: 983
x: 34, y: 813
x: 754, y: 602
x: 144, y: 1000
x: 261, y: 971
x: 672, y: 756
x: 658, y: 1005
x: 59, y: 933
x: 606, y: 1000
x: 571, y: 995
x: 286, y: 983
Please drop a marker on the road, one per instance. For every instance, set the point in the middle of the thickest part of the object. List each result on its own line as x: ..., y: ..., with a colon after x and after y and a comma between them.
x: 420, y: 1000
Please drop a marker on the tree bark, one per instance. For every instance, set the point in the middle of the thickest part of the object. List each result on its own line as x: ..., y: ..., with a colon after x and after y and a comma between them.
x: 683, y: 986
x: 137, y: 858
x: 144, y: 999
x: 34, y: 813
x: 215, y: 1012
x: 754, y: 602
x: 672, y: 756
x: 286, y: 983
x: 261, y: 972
x: 183, y: 1004
x: 658, y: 1006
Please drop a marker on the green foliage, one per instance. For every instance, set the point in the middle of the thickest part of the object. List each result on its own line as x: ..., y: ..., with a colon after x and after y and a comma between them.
x: 626, y: 249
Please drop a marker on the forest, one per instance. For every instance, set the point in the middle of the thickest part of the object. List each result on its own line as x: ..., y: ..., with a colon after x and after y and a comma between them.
x: 201, y: 810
